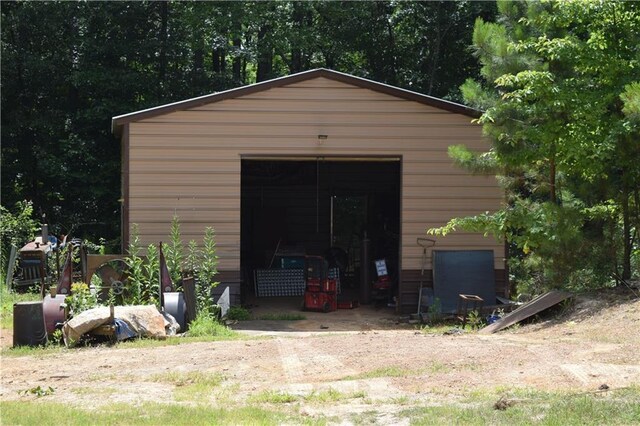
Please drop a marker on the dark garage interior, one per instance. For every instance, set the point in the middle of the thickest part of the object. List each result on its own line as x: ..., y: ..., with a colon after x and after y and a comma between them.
x: 296, y: 207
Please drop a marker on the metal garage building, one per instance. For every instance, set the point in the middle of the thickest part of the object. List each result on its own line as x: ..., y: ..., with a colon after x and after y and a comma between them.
x: 303, y: 163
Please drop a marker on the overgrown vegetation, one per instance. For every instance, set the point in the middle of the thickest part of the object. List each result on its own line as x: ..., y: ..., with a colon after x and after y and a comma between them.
x: 207, y: 325
x: 522, y: 407
x: 199, y: 262
x: 561, y: 98
x: 46, y: 412
x: 525, y: 407
x: 238, y: 313
x: 143, y: 277
x: 16, y: 228
x: 81, y: 298
x: 7, y: 299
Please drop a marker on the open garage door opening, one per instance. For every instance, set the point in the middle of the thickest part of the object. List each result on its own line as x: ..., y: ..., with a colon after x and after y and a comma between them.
x: 338, y: 208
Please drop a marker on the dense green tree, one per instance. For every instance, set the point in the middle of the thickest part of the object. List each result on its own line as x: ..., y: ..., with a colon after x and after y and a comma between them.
x: 557, y: 77
x: 68, y: 67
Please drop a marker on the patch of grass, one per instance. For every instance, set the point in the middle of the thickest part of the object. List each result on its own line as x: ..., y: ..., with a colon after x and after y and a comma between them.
x: 227, y: 394
x: 284, y: 316
x: 238, y: 313
x: 106, y: 376
x: 435, y: 329
x: 179, y: 378
x: 193, y: 386
x: 536, y: 407
x: 181, y: 340
x: 274, y: 397
x: 366, y: 418
x: 50, y: 350
x: 7, y: 299
x: 438, y: 367
x: 206, y: 325
x: 324, y: 396
x: 392, y: 371
x: 30, y: 413
x: 331, y: 396
x: 399, y: 400
x: 395, y: 371
x: 34, y: 351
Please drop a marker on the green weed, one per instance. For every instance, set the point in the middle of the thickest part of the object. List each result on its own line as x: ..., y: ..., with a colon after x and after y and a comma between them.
x: 525, y: 407
x: 207, y: 325
x: 7, y: 299
x: 38, y: 391
x: 238, y: 313
x: 178, y: 378
x: 274, y: 397
x: 30, y: 413
x: 193, y: 386
x: 331, y: 396
x: 392, y: 371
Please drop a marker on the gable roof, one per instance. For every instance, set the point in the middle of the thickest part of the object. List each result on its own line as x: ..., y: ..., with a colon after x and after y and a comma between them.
x: 117, y: 122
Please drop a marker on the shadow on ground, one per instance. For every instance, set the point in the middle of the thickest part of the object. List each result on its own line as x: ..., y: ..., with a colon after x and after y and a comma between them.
x: 362, y: 318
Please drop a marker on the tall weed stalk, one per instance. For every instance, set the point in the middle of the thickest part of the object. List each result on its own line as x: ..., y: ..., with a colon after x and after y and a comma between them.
x: 135, y: 264
x: 206, y: 273
x: 151, y: 286
x: 175, y: 253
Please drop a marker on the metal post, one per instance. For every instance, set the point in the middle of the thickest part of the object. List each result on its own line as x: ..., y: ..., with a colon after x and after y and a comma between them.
x: 365, y: 278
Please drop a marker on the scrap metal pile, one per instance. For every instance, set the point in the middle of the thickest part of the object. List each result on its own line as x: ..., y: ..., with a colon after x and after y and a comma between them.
x: 36, y: 322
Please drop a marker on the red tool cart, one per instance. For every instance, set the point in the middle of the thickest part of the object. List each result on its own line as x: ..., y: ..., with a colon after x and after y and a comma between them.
x: 321, y: 292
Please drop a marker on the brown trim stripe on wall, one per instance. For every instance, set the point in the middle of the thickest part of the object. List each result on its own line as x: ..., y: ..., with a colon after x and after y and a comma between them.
x: 125, y: 189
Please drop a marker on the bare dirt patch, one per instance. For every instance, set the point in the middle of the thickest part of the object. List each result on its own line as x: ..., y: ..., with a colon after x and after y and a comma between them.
x: 377, y: 366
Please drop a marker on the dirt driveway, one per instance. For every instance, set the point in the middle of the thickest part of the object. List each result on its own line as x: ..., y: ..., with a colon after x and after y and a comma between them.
x: 389, y: 365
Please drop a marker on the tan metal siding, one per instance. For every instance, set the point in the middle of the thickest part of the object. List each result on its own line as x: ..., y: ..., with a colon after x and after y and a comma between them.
x: 188, y: 162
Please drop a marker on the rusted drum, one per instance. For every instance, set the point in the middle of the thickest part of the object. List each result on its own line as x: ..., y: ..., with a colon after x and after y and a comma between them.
x: 28, y: 324
x: 54, y: 312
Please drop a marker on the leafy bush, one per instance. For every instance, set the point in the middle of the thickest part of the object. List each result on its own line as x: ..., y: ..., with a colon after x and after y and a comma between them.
x: 16, y: 229
x: 144, y: 272
x: 206, y: 325
x: 151, y: 283
x: 81, y: 298
x: 238, y: 313
x: 136, y: 272
x: 207, y: 272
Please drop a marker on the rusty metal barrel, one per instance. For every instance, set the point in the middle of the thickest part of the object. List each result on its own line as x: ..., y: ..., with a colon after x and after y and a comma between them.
x: 28, y: 324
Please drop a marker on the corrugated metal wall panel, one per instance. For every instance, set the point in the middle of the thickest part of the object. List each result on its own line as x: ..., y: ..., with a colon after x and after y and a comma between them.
x: 188, y: 162
x: 305, y: 117
x: 242, y: 133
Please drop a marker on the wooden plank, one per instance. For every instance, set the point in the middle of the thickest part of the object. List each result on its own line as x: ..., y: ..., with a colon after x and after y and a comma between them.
x: 527, y: 310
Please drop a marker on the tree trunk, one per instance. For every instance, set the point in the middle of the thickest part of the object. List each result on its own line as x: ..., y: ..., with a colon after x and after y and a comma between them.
x: 392, y: 54
x: 237, y: 61
x: 552, y: 178
x: 218, y: 63
x: 265, y: 54
x: 626, y: 234
x: 297, y: 16
x: 162, y: 60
